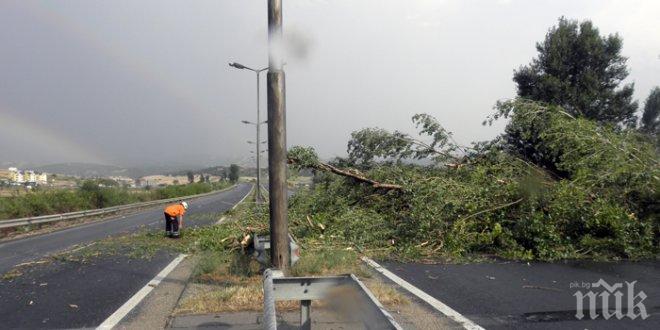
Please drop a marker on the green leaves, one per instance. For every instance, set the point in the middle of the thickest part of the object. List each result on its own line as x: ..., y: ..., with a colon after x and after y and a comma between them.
x: 369, y: 145
x: 580, y: 71
x: 234, y: 173
x: 552, y: 187
x: 303, y: 157
x: 650, y: 123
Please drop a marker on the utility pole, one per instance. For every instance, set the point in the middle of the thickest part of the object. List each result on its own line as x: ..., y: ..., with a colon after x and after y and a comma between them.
x: 277, y: 161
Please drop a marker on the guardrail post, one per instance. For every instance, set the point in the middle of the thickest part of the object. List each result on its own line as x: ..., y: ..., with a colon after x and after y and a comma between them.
x: 305, y: 311
x: 270, y: 318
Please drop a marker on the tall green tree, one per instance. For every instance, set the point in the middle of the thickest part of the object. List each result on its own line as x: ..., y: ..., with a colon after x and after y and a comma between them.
x: 650, y: 122
x: 234, y: 172
x: 581, y: 71
x: 191, y: 176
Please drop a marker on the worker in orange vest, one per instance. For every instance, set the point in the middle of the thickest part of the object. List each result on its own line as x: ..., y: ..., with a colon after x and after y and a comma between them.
x: 174, y: 218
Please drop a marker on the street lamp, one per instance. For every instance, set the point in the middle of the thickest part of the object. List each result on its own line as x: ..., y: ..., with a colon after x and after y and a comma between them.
x: 239, y: 66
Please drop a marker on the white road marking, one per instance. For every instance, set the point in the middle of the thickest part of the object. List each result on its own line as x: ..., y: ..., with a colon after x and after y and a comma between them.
x: 435, y: 303
x: 239, y: 202
x: 244, y: 197
x: 126, y: 308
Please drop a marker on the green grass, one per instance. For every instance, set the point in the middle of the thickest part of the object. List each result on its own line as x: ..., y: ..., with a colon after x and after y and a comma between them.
x: 91, y: 196
x: 10, y: 275
x: 226, y: 278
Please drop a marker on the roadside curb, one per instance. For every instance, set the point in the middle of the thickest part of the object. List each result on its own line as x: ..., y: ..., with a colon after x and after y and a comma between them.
x: 170, y: 317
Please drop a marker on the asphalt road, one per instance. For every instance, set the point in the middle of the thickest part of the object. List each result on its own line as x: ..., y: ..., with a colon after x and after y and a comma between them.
x: 497, y: 295
x: 76, y: 295
x: 512, y: 295
x: 31, y: 248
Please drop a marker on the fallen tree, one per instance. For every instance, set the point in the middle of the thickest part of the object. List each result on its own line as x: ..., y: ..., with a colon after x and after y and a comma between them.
x: 306, y: 158
x: 551, y: 187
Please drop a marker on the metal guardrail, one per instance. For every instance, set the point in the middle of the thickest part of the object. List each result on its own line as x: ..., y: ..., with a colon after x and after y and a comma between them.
x: 354, y: 300
x: 261, y: 244
x: 94, y: 212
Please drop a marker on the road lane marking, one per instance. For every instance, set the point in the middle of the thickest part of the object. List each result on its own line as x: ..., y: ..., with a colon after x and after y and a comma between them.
x: 239, y: 202
x: 435, y: 303
x: 244, y: 197
x: 128, y: 306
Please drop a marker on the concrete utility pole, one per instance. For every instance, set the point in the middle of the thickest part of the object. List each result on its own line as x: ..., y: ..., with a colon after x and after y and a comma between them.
x: 257, y: 198
x: 277, y: 162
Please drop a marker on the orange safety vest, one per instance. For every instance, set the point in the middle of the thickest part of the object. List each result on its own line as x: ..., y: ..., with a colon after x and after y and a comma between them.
x: 175, y: 210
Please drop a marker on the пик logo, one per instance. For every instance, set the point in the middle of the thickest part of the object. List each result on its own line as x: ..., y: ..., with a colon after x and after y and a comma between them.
x: 635, y: 307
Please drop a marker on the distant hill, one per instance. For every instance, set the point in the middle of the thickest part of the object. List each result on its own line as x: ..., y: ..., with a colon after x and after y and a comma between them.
x: 84, y: 170
x: 213, y: 170
x: 89, y: 170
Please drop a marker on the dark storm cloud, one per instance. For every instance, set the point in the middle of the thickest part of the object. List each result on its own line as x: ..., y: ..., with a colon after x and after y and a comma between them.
x: 135, y: 82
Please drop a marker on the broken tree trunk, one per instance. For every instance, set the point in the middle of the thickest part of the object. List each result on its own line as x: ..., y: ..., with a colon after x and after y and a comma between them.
x: 351, y: 174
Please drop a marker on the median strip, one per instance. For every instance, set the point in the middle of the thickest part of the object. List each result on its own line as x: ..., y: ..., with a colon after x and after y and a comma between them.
x: 135, y: 300
x: 128, y: 306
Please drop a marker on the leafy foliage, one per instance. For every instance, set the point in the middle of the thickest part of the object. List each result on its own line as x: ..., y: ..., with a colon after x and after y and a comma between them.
x: 650, y: 123
x: 580, y: 71
x: 90, y: 196
x: 370, y: 144
x: 551, y: 187
x: 567, y: 179
x: 305, y: 157
x: 234, y: 173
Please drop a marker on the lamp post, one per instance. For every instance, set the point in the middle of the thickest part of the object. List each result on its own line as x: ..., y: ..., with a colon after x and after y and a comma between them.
x: 258, y: 197
x: 258, y: 124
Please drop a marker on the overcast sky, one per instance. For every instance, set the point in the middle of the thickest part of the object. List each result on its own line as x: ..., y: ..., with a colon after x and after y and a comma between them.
x: 147, y: 82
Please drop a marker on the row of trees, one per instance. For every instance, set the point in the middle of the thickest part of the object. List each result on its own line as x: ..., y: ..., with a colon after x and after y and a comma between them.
x: 234, y: 173
x: 202, y: 177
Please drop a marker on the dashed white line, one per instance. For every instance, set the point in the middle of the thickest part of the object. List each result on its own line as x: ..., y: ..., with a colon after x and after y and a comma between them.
x: 435, y: 303
x: 118, y: 315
